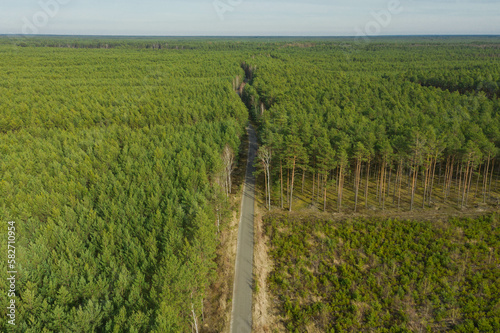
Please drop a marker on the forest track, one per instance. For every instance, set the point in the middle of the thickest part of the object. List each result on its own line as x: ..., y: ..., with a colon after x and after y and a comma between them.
x: 241, y: 316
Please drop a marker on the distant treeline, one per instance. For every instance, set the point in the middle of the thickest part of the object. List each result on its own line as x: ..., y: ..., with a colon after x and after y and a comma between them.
x: 244, y: 43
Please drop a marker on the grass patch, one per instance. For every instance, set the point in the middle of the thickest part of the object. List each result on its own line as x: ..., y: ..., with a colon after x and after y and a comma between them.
x: 365, y: 275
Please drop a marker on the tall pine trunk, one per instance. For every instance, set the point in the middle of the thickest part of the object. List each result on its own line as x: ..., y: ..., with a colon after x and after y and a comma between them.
x: 491, y: 176
x: 291, y: 185
x: 382, y: 183
x: 281, y: 184
x: 459, y: 184
x: 377, y: 181
x: 340, y: 186
x: 400, y: 183
x: 318, y: 190
x: 414, y: 183
x: 432, y: 178
x: 366, y: 185
x: 450, y: 175
x: 468, y: 185
x: 288, y: 186
x: 356, y: 183
x: 313, y: 188
x: 324, y: 192
x: 425, y: 180
x: 485, y: 178
x: 465, y: 183
x: 477, y: 181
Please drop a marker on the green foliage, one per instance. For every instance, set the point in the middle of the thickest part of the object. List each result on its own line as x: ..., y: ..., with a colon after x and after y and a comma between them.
x: 431, y: 105
x: 109, y: 162
x: 386, y: 275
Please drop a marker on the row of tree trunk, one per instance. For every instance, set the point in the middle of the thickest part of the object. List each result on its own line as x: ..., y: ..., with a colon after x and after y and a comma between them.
x: 401, y: 178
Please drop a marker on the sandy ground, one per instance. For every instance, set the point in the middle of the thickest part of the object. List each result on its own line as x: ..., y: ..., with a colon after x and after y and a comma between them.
x: 264, y: 314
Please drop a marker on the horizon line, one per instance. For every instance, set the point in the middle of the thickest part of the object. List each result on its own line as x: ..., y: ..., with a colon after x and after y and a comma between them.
x: 246, y: 36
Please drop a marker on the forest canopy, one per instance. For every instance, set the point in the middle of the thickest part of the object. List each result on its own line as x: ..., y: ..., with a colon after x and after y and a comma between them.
x: 111, y: 166
x: 116, y: 154
x: 379, y: 124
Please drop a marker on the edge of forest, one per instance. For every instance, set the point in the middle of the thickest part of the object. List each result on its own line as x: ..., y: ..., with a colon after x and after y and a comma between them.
x: 218, y: 304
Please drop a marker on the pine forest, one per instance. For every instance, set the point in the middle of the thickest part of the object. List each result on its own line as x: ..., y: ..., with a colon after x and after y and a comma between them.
x: 119, y: 163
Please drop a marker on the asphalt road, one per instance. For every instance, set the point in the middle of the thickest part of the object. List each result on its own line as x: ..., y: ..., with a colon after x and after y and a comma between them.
x: 241, y: 316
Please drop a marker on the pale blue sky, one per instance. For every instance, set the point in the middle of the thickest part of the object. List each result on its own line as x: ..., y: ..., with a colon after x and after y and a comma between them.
x: 250, y: 17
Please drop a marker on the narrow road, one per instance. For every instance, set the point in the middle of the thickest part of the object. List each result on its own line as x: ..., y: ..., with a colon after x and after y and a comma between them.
x: 241, y: 316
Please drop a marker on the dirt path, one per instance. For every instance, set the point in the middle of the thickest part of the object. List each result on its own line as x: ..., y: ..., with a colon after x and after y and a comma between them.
x: 241, y: 317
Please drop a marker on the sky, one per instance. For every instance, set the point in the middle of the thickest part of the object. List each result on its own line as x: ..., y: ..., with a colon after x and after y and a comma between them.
x: 250, y: 17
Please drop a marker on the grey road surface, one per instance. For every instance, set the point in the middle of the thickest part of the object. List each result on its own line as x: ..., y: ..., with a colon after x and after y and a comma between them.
x: 241, y: 317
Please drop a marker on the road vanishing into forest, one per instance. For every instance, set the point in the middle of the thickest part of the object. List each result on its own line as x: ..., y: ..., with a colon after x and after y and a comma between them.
x: 241, y: 316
